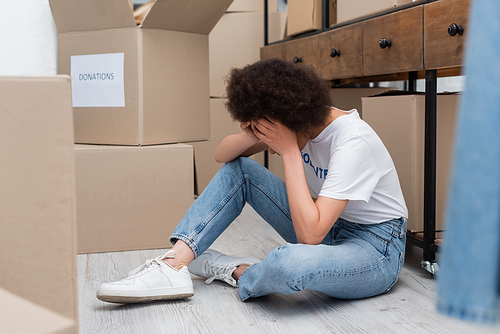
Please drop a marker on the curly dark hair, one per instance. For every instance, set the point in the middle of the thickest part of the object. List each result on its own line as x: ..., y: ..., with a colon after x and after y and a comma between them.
x: 293, y: 94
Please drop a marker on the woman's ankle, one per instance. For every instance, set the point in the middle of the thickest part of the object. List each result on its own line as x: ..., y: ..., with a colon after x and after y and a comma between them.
x: 239, y: 271
x: 175, y: 264
x: 183, y: 255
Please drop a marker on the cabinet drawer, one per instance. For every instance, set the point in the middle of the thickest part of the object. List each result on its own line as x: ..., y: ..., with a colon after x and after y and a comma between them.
x: 273, y: 51
x: 403, y: 30
x: 303, y: 51
x: 442, y: 19
x: 340, y: 52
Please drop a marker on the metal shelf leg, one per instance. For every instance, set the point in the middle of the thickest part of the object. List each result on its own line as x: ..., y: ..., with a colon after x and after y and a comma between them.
x: 429, y: 255
x: 266, y: 23
x: 412, y: 81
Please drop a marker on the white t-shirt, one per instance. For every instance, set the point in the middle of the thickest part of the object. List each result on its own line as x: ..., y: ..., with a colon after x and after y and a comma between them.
x: 347, y: 160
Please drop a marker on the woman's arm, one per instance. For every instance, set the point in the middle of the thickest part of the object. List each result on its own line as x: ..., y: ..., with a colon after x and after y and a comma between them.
x: 243, y: 144
x: 311, y: 220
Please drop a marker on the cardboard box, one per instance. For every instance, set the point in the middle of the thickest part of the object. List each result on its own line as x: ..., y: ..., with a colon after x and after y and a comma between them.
x: 136, y: 194
x: 400, y: 123
x: 222, y: 125
x: 137, y: 85
x: 343, y: 98
x: 236, y: 41
x: 350, y: 98
x: 303, y: 16
x: 20, y: 316
x: 37, y: 197
x: 351, y: 9
x: 332, y: 12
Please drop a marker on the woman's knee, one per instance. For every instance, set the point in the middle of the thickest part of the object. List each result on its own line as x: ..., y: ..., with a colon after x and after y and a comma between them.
x: 246, y: 167
x: 286, y: 258
x: 248, y: 164
x: 239, y: 164
x: 232, y: 168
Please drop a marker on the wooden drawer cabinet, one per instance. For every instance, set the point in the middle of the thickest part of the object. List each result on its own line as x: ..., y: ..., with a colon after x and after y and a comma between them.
x: 402, y: 34
x: 303, y: 51
x: 354, y: 50
x: 442, y: 19
x: 273, y: 51
x: 340, y: 52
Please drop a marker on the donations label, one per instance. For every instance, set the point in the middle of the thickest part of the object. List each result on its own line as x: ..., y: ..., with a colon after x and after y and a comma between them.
x: 98, y: 80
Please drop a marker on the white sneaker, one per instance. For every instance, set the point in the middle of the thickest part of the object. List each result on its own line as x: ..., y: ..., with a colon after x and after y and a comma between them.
x: 215, y: 265
x: 154, y: 280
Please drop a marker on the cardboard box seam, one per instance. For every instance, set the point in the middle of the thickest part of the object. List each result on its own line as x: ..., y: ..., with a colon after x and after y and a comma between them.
x: 75, y: 236
x: 140, y: 72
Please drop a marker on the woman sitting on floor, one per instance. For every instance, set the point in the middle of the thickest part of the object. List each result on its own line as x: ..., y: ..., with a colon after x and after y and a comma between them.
x: 349, y: 243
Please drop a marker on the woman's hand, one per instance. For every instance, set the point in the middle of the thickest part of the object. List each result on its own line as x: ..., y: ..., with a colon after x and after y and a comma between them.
x: 278, y: 137
x: 247, y: 128
x: 242, y: 144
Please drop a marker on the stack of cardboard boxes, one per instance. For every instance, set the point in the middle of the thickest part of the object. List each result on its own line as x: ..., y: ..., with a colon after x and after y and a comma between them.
x: 138, y: 91
x: 133, y: 95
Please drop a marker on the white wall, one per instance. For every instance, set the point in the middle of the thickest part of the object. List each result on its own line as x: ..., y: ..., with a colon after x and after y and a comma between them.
x: 447, y: 84
x: 28, y: 38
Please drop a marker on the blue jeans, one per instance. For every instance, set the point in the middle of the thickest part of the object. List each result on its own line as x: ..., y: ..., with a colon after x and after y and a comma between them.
x: 353, y: 261
x: 469, y: 281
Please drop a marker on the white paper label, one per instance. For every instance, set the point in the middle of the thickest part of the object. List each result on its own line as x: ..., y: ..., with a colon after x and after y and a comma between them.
x: 98, y: 80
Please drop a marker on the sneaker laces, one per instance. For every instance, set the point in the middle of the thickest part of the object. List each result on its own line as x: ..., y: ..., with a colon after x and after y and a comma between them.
x: 156, y: 262
x: 220, y: 272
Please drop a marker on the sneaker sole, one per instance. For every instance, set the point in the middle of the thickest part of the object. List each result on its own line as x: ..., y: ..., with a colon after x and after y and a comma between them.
x: 127, y: 297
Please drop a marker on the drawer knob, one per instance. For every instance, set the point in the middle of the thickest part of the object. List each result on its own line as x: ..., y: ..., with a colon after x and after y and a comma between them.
x: 297, y: 60
x: 385, y: 43
x: 454, y: 29
x: 334, y: 53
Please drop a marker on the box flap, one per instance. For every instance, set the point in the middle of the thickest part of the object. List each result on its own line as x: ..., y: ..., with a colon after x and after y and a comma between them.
x: 194, y: 16
x: 85, y: 15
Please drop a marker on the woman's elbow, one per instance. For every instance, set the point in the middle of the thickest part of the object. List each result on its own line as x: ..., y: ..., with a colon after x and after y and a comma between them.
x: 220, y: 157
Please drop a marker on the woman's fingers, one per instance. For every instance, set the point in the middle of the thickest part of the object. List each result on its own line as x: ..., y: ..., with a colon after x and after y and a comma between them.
x: 263, y: 122
x: 265, y: 127
x: 258, y: 128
